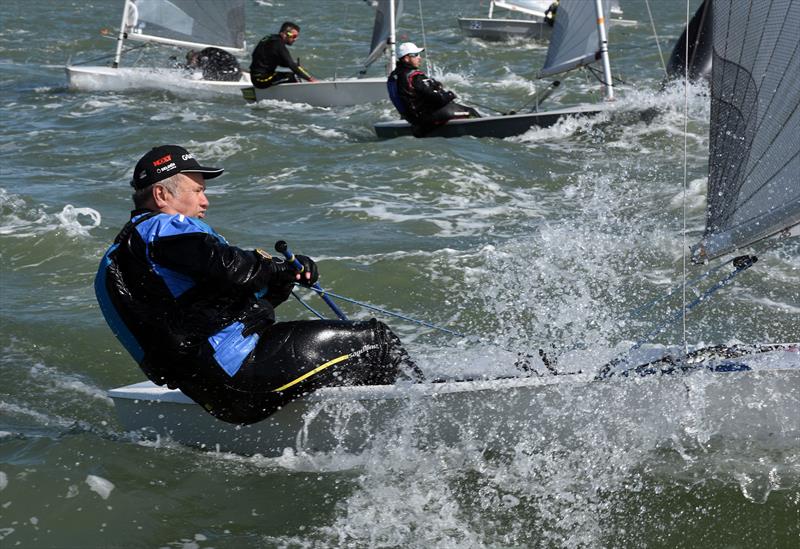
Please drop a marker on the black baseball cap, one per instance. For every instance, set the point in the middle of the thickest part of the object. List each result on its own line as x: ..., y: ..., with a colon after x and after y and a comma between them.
x: 165, y: 161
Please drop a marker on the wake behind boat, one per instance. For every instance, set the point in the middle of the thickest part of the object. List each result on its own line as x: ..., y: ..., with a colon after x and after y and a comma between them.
x: 183, y: 23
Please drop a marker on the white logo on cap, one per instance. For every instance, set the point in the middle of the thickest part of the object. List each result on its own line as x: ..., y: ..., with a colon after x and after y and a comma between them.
x: 186, y: 156
x: 169, y: 167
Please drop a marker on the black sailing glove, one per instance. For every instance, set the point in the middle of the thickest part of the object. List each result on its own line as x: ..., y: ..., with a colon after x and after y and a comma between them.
x: 308, y: 267
x: 258, y: 319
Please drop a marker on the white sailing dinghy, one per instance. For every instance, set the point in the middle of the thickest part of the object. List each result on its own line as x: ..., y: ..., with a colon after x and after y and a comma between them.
x: 344, y: 92
x: 193, y: 24
x: 744, y: 394
x: 533, y: 27
x: 493, y: 28
x: 579, y: 39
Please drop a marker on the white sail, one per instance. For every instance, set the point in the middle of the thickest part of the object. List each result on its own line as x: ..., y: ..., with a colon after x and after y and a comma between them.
x: 576, y: 40
x: 754, y: 156
x: 529, y: 7
x: 191, y: 23
x: 382, y: 29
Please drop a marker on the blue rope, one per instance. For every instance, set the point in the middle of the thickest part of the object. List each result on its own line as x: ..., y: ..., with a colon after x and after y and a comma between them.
x: 642, y: 308
x: 691, y: 305
x: 309, y: 307
x: 389, y: 313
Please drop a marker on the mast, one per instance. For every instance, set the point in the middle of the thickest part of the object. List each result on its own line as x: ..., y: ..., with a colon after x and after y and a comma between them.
x: 601, y: 31
x: 392, y: 31
x: 122, y: 35
x: 491, y: 8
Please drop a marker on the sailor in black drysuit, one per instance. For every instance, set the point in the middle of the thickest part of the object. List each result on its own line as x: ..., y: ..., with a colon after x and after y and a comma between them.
x: 198, y: 314
x: 422, y: 101
x: 216, y: 64
x: 271, y: 53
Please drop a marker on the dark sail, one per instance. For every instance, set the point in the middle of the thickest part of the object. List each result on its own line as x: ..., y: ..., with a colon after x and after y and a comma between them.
x: 754, y: 156
x: 698, y: 32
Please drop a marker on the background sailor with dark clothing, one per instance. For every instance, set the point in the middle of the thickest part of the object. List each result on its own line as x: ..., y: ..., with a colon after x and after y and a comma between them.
x: 199, y: 314
x: 216, y: 64
x: 421, y: 100
x: 271, y: 53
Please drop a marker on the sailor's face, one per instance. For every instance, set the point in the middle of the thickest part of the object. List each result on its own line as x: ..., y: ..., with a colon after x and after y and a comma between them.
x: 190, y: 198
x: 290, y: 36
x: 414, y: 59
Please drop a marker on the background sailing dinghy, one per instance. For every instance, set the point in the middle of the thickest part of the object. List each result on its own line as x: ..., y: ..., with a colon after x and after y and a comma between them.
x: 579, y: 39
x: 534, y: 27
x: 195, y: 24
x: 490, y: 28
x: 346, y: 91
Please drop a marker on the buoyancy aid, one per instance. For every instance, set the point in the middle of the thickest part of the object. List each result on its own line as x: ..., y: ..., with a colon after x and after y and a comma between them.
x: 174, y: 293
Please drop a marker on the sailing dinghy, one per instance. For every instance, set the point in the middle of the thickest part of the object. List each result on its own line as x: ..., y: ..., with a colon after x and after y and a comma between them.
x: 533, y: 27
x: 579, y: 39
x: 494, y: 411
x: 345, y: 91
x: 193, y: 24
x: 491, y: 28
x: 741, y: 394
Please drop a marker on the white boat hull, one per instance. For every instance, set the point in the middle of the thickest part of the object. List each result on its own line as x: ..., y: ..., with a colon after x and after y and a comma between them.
x: 504, y: 29
x: 177, y: 81
x: 324, y: 93
x: 488, y: 126
x: 758, y: 407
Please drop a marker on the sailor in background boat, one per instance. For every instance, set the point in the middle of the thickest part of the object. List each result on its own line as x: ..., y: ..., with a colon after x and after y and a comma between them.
x: 550, y: 13
x: 422, y: 101
x: 271, y: 53
x: 216, y: 64
x: 198, y: 314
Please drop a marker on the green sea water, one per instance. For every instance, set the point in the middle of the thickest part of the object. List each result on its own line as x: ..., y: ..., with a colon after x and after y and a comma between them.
x: 547, y: 240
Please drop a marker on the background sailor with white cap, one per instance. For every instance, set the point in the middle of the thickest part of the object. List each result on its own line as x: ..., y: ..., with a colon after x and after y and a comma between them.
x: 421, y: 100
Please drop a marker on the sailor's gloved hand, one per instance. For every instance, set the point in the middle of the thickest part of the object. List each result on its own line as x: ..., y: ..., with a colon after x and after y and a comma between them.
x: 261, y: 316
x: 449, y: 96
x: 310, y: 273
x: 281, y: 271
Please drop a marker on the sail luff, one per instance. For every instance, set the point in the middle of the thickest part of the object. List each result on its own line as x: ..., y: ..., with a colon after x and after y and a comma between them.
x: 754, y: 148
x: 387, y: 12
x: 122, y: 30
x: 576, y: 39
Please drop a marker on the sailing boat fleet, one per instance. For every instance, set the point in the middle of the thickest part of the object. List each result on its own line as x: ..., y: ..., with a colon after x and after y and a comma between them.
x: 753, y: 196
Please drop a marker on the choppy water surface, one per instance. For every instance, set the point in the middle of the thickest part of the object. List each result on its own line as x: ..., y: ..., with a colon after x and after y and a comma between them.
x: 548, y: 239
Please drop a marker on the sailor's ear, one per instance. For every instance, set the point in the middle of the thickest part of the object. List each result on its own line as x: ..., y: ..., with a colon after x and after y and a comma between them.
x: 160, y: 195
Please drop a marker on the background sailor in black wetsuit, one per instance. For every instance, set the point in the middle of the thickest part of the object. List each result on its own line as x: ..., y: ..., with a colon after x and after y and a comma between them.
x: 550, y: 13
x: 216, y: 64
x: 271, y: 53
x: 420, y: 99
x: 198, y: 314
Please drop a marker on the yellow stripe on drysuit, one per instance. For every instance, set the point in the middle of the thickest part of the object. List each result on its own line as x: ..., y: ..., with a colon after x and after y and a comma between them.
x: 306, y: 375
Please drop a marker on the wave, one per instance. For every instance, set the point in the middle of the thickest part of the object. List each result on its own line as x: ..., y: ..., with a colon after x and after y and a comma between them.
x: 20, y: 220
